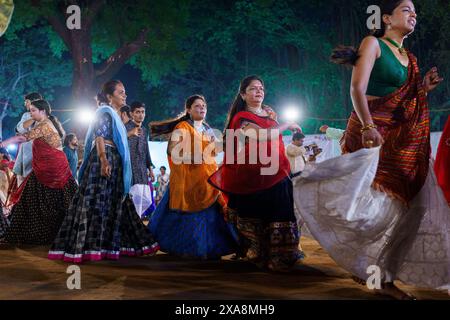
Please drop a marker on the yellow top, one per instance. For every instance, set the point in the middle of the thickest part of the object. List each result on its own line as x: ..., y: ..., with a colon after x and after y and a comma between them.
x: 189, y: 187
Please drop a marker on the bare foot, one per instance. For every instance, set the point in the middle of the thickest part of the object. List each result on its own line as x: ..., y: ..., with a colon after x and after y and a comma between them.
x: 391, y: 290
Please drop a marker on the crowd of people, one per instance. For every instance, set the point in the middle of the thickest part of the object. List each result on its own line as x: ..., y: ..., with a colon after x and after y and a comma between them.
x: 382, y: 203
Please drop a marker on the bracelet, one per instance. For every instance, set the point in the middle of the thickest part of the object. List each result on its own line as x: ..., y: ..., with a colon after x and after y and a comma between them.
x: 101, y: 154
x: 368, y: 127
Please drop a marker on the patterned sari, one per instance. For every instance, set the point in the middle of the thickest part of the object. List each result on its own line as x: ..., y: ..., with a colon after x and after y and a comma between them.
x: 403, y: 120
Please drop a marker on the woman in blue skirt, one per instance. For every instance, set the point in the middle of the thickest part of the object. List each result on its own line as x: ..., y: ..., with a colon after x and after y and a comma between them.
x: 189, y: 221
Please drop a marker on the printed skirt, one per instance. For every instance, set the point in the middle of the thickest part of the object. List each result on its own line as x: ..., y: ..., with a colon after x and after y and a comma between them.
x: 101, y: 223
x: 38, y: 215
x: 269, y: 235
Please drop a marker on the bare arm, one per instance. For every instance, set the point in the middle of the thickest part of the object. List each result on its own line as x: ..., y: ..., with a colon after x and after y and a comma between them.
x: 27, y: 124
x: 12, y: 140
x: 24, y: 124
x: 369, y: 51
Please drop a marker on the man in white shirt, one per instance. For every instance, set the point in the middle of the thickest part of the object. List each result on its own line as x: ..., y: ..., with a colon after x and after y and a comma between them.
x: 296, y: 154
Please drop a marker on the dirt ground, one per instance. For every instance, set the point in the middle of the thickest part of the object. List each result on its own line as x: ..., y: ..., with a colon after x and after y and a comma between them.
x: 26, y: 273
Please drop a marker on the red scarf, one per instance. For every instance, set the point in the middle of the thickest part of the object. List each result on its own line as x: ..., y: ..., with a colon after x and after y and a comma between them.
x: 247, y: 178
x: 402, y: 118
x: 442, y: 164
x: 50, y: 167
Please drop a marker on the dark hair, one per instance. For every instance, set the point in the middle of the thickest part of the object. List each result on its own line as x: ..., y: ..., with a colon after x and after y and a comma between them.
x: 347, y: 55
x: 386, y: 7
x: 239, y: 104
x: 107, y: 88
x: 68, y: 139
x: 33, y: 96
x: 43, y: 105
x: 298, y: 136
x: 126, y: 109
x: 167, y: 126
x: 136, y: 105
x: 163, y: 167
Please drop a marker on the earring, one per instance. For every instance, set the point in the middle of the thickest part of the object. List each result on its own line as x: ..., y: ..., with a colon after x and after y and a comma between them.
x: 389, y: 27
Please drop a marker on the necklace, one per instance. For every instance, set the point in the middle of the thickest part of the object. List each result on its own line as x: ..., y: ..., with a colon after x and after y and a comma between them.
x: 257, y: 110
x: 395, y: 44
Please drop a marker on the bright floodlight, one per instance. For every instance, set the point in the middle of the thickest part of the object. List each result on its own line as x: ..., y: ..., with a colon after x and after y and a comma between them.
x: 291, y: 113
x: 85, y: 115
x: 11, y: 148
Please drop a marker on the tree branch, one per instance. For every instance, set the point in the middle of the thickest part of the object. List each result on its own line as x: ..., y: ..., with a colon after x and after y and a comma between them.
x: 118, y: 58
x: 60, y: 29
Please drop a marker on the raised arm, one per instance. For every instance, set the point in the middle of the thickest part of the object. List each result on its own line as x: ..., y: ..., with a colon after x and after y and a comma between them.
x: 12, y: 140
x: 25, y: 123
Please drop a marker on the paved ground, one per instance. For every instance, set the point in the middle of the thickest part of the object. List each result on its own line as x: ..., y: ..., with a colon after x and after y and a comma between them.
x: 26, y: 274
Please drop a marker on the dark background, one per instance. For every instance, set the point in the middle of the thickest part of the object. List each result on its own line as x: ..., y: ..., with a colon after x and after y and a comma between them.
x: 206, y: 47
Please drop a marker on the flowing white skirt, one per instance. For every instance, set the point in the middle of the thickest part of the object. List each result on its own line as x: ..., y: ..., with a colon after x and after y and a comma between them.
x: 359, y: 226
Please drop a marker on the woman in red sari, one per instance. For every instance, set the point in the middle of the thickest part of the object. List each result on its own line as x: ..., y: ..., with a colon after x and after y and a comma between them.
x: 41, y: 202
x: 442, y: 164
x: 259, y: 191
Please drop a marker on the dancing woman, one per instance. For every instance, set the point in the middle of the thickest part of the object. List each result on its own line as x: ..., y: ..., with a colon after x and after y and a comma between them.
x: 379, y: 205
x: 263, y: 203
x: 189, y: 220
x: 102, y: 222
x: 41, y: 202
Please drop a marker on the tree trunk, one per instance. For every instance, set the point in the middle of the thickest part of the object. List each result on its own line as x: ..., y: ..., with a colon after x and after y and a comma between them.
x: 87, y: 79
x: 83, y: 68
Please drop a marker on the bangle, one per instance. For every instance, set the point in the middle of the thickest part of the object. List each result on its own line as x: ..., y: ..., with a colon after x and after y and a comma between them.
x: 368, y: 127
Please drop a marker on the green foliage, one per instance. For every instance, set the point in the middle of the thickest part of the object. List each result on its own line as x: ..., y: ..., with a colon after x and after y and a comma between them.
x: 208, y: 46
x: 27, y: 64
x: 288, y: 43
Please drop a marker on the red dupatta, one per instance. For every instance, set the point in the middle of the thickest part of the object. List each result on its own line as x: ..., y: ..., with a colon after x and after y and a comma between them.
x: 50, y: 166
x: 402, y: 118
x: 247, y: 178
x: 442, y: 164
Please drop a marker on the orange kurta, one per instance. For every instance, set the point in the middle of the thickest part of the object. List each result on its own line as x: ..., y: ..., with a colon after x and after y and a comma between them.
x: 189, y: 187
